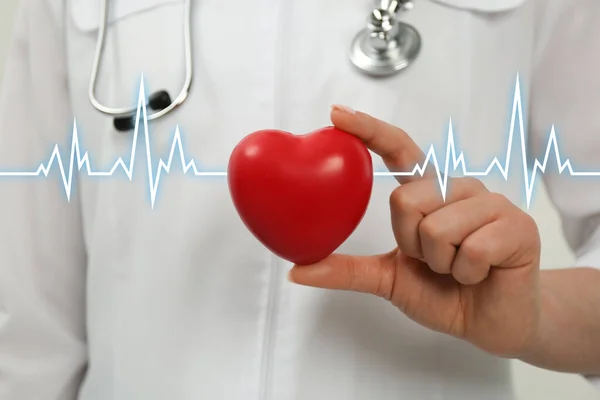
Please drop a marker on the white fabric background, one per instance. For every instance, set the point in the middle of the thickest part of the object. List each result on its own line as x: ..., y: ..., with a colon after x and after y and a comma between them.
x: 532, y: 383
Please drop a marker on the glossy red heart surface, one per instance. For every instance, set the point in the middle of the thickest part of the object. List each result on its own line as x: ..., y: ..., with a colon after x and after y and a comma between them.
x: 301, y: 196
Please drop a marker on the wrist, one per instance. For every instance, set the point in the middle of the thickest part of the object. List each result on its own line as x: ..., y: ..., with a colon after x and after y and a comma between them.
x: 535, y: 346
x: 565, y: 338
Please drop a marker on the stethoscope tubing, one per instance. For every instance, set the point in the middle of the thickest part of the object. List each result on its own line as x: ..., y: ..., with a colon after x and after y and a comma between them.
x: 383, y: 25
x: 131, y: 111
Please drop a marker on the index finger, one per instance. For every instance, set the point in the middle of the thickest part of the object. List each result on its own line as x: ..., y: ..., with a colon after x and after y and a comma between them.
x: 397, y: 149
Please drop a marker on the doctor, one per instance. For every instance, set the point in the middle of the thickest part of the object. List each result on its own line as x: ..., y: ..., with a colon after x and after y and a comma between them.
x: 106, y: 298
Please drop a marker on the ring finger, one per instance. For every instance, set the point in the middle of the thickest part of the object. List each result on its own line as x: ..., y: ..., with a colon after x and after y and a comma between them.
x: 443, y: 231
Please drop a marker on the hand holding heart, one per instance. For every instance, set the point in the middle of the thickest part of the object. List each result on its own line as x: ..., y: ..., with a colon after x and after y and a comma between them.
x: 467, y: 266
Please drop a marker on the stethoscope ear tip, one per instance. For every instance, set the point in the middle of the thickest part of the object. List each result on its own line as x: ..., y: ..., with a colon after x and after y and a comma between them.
x: 123, y: 124
x: 159, y: 100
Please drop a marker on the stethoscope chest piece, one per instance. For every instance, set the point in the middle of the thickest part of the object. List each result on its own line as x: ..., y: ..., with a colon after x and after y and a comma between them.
x: 386, y: 46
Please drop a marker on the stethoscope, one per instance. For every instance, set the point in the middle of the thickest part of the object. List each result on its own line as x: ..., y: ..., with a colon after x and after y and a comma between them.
x: 385, y: 47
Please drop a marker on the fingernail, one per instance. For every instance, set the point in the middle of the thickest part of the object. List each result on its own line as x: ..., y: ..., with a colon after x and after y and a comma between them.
x: 342, y: 108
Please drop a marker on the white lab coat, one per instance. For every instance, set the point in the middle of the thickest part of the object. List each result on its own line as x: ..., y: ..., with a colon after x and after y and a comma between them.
x: 180, y: 301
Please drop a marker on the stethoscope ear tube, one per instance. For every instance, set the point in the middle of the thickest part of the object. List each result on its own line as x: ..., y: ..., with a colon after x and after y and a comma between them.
x: 160, y: 102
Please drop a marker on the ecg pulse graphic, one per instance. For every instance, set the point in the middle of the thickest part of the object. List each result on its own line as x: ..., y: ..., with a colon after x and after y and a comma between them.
x: 452, y: 162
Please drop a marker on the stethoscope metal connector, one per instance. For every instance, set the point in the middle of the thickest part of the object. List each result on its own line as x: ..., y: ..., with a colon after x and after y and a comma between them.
x: 386, y: 46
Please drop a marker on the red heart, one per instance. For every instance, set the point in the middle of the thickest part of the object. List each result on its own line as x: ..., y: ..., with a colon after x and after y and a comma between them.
x: 301, y: 196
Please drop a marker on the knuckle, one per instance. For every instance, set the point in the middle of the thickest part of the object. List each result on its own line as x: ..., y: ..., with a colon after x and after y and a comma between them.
x: 352, y: 273
x: 475, y: 251
x: 497, y: 200
x: 431, y: 229
x: 530, y: 222
x: 475, y: 183
x: 409, y: 246
x: 386, y: 279
x: 402, y: 200
x: 529, y: 227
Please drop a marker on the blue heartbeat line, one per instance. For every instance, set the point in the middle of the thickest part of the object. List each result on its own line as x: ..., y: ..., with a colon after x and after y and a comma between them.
x: 452, y: 158
x: 458, y: 161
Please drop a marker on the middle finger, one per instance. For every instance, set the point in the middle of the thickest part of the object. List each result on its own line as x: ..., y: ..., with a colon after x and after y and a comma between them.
x: 411, y: 202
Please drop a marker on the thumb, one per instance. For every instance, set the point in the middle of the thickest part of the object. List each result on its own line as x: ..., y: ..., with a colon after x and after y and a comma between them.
x: 367, y: 274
